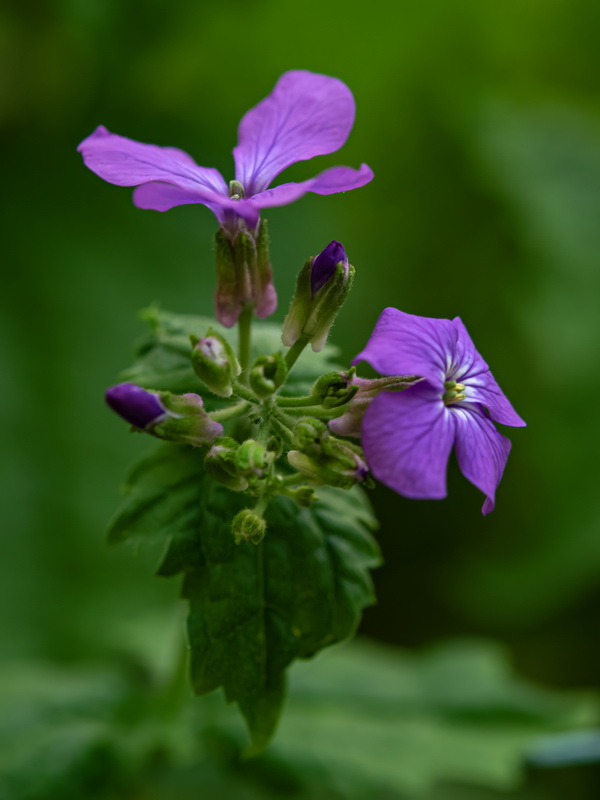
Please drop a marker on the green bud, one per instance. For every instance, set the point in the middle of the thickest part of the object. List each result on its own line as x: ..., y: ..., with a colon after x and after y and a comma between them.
x: 215, y: 362
x: 321, y: 289
x: 309, y: 435
x: 251, y: 459
x: 335, y: 388
x: 268, y: 374
x: 247, y: 526
x: 305, y: 496
x: 220, y: 464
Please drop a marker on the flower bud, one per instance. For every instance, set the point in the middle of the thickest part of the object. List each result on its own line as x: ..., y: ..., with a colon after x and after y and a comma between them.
x: 244, y: 273
x: 220, y: 464
x: 335, y: 388
x: 342, y: 469
x: 252, y: 459
x: 247, y: 526
x: 137, y: 406
x: 349, y: 424
x: 215, y: 362
x: 309, y: 435
x: 174, y: 418
x: 267, y: 374
x: 321, y: 288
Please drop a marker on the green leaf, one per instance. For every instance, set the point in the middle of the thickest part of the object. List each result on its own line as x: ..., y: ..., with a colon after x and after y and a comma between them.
x: 373, y: 719
x: 253, y: 609
x: 163, y: 356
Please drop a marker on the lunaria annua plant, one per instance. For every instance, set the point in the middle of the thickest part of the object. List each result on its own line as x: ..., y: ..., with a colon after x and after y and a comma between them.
x: 259, y: 492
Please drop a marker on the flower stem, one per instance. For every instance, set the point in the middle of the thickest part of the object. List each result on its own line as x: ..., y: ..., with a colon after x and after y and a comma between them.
x: 297, y: 402
x: 242, y: 391
x: 245, y: 333
x: 230, y: 412
x: 317, y: 411
x: 294, y: 352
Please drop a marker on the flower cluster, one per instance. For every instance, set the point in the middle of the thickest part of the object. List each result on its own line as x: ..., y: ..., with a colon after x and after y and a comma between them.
x: 435, y: 392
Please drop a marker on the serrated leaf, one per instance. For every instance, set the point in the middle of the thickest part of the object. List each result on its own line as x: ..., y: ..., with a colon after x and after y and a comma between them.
x: 163, y: 356
x: 253, y: 609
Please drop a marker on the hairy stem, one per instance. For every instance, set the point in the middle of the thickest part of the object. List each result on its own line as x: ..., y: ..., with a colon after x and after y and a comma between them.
x: 245, y: 335
x: 230, y: 412
x: 242, y: 391
x: 297, y: 402
x: 294, y: 352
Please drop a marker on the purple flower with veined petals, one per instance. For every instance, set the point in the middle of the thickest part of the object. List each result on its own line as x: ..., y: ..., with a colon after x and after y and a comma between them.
x: 408, y: 436
x: 306, y: 115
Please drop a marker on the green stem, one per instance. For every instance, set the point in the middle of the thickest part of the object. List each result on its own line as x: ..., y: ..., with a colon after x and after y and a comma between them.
x: 297, y: 402
x: 245, y: 333
x: 230, y: 412
x: 282, y: 429
x: 294, y: 352
x: 317, y: 411
x: 242, y: 391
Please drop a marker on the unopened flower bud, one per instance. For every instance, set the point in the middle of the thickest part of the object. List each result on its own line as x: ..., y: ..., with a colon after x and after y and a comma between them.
x: 309, y: 435
x: 267, y: 374
x: 220, y: 464
x: 349, y: 424
x: 247, y: 526
x: 321, y: 288
x: 244, y: 273
x: 174, y: 418
x: 137, y: 406
x: 335, y: 388
x: 343, y: 469
x: 215, y: 362
x: 305, y: 496
x: 252, y: 459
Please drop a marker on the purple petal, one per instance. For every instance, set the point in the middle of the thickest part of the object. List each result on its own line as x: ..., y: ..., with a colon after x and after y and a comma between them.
x: 407, y: 439
x: 481, y: 452
x: 330, y: 181
x: 306, y: 115
x: 404, y: 344
x: 163, y: 196
x: 125, y: 162
x: 137, y: 406
x: 324, y: 265
x: 473, y: 372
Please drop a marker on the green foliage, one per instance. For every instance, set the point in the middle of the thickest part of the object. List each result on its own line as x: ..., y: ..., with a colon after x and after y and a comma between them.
x: 253, y: 609
x: 366, y: 722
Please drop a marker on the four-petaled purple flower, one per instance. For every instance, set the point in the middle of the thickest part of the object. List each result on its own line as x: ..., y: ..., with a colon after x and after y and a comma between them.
x: 306, y: 115
x: 408, y: 436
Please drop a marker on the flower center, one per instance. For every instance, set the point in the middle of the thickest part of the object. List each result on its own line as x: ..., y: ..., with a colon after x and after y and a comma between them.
x: 454, y: 392
x: 236, y: 190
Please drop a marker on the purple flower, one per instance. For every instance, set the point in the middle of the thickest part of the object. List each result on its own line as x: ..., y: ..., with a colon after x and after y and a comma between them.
x: 324, y: 265
x: 408, y: 436
x: 306, y: 115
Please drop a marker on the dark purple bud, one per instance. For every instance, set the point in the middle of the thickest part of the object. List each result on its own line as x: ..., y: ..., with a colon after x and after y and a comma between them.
x: 137, y: 406
x: 324, y: 265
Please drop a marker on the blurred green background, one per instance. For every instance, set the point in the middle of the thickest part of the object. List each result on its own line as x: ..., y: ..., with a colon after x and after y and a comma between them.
x: 481, y: 122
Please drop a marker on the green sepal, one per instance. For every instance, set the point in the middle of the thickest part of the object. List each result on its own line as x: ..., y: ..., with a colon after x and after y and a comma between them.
x: 214, y: 362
